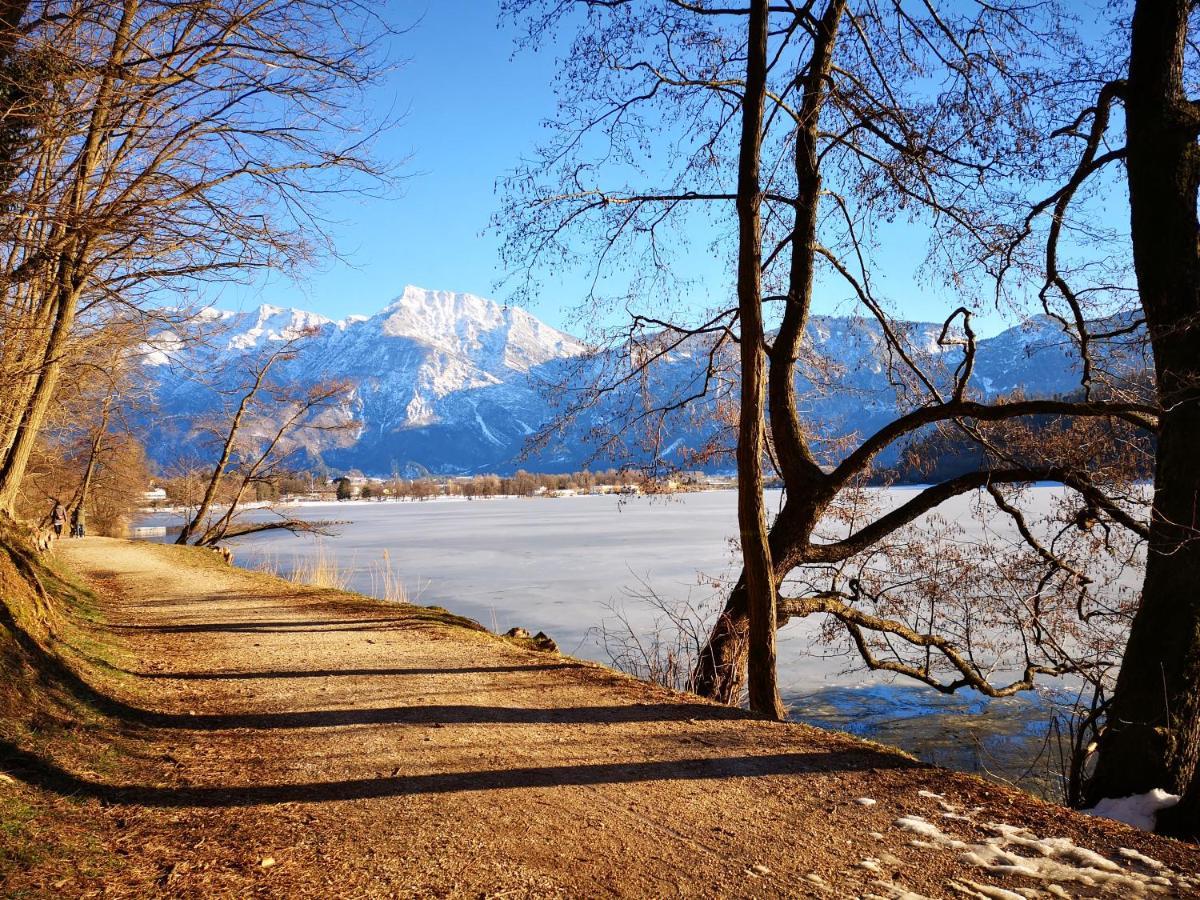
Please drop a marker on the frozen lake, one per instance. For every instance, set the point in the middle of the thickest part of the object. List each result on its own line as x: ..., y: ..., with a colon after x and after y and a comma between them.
x: 558, y: 565
x: 551, y: 565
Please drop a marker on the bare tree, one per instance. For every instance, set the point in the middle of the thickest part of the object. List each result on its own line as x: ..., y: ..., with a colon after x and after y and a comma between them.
x: 1151, y: 729
x: 853, y: 135
x: 752, y: 513
x: 163, y: 146
x: 87, y: 455
x: 272, y: 419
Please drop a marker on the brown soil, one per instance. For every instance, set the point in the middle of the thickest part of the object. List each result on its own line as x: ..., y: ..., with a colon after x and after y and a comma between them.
x: 271, y: 740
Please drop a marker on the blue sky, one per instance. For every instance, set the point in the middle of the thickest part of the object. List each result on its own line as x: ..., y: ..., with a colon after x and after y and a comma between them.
x: 474, y: 108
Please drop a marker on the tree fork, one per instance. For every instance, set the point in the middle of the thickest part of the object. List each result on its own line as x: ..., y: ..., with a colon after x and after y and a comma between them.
x: 721, y: 668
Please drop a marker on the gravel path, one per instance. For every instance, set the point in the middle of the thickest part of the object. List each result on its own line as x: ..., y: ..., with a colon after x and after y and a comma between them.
x: 283, y: 741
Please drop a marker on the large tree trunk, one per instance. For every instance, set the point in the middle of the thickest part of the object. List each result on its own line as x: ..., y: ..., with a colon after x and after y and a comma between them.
x: 720, y: 672
x: 1152, y: 738
x: 67, y: 281
x: 1153, y: 730
x: 721, y: 669
x: 758, y: 575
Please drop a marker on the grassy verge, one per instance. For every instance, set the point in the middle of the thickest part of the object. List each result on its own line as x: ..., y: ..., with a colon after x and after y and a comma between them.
x: 49, y: 623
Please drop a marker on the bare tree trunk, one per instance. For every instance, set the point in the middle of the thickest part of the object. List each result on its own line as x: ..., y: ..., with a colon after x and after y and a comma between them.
x: 66, y: 282
x: 78, y: 505
x: 314, y: 400
x: 218, y: 472
x: 16, y: 460
x: 1152, y: 737
x: 721, y: 668
x: 759, y: 576
x: 216, y: 532
x: 28, y: 328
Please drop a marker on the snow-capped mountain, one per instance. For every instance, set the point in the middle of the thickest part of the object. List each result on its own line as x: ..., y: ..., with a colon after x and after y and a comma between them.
x: 441, y: 381
x: 449, y: 382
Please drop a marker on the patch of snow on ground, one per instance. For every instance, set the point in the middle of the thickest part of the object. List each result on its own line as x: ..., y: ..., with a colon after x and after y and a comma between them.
x: 893, y: 892
x: 1138, y: 810
x: 917, y: 825
x: 865, y: 801
x: 1046, y: 859
x: 1147, y: 861
x: 985, y: 891
x: 818, y: 882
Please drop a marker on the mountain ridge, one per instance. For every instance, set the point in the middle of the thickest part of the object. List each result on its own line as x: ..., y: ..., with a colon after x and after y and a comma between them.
x: 449, y: 382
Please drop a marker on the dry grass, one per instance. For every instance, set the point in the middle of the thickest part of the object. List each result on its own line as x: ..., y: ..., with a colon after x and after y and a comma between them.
x: 321, y: 569
x: 385, y: 583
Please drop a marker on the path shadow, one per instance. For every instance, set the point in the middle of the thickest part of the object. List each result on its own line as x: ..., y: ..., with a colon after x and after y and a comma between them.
x: 287, y: 626
x: 39, y: 773
x: 53, y: 670
x: 341, y: 673
x: 435, y: 714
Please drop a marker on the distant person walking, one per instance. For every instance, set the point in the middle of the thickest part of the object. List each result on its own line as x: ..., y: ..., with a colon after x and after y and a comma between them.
x: 58, y: 518
x: 78, y: 528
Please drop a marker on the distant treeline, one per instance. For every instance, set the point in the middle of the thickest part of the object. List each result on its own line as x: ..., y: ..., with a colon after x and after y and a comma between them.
x: 184, y: 490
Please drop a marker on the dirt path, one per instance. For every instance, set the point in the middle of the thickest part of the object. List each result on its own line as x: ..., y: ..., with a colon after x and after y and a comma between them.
x: 289, y: 742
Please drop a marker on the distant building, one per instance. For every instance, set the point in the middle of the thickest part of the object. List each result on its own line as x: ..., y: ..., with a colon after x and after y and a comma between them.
x: 354, y: 480
x: 154, y: 495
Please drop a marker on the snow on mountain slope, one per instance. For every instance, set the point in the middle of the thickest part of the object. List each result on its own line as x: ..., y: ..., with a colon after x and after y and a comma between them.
x: 451, y: 382
x: 271, y: 323
x: 443, y: 381
x: 467, y: 326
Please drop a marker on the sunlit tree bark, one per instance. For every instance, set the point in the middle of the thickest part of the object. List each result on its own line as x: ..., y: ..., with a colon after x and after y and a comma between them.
x: 752, y: 513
